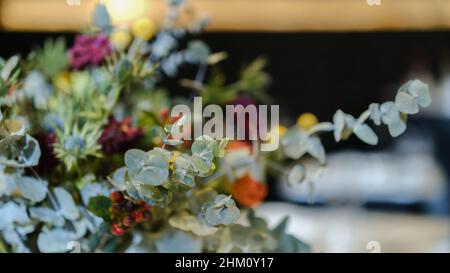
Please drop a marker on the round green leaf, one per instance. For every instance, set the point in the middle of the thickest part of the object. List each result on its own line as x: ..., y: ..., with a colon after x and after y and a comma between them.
x: 150, y: 168
x: 365, y: 133
x: 405, y: 103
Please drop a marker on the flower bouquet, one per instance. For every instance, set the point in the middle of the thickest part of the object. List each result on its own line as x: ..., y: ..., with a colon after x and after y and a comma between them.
x: 93, y: 160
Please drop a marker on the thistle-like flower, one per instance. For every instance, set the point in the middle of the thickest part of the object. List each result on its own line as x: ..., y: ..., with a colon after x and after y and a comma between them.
x: 75, y: 144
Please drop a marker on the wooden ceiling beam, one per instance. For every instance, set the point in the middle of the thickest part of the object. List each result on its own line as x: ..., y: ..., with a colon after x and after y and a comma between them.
x: 246, y: 15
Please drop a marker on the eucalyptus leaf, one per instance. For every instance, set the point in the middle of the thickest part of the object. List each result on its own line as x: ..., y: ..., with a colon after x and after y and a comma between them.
x: 47, y: 215
x: 91, y: 189
x: 339, y: 125
x: 7, y: 183
x: 32, y: 189
x: 151, y: 193
x: 202, y: 166
x: 296, y: 175
x: 118, y: 178
x: 21, y: 151
x: 131, y: 190
x: 31, y: 152
x: 186, y: 180
x: 222, y: 211
x: 195, y: 224
x: 183, y: 172
x: 295, y: 143
x: 418, y: 90
x: 135, y: 160
x: 391, y: 117
x: 316, y: 149
x: 375, y: 113
x: 151, y: 168
x: 66, y: 204
x: 205, y: 147
x: 173, y: 142
x: 26, y: 229
x: 222, y: 200
x: 12, y: 213
x: 405, y: 103
x: 55, y: 240
x: 14, y: 240
x: 178, y: 242
x: 365, y: 133
x: 322, y: 127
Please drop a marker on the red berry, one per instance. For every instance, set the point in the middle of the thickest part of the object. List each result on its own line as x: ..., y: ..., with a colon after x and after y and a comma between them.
x: 128, y: 221
x: 138, y: 215
x: 116, y: 196
x: 117, y: 230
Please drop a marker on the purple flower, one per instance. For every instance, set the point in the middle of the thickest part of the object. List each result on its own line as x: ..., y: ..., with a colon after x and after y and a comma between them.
x: 89, y: 50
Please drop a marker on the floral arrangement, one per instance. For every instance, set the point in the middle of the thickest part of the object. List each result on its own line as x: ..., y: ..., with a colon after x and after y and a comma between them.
x: 89, y: 159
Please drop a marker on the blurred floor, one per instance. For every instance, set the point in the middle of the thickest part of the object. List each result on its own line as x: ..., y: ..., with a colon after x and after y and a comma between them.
x: 344, y: 229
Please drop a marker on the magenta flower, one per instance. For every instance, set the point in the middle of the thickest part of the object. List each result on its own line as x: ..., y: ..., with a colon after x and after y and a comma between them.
x: 89, y: 50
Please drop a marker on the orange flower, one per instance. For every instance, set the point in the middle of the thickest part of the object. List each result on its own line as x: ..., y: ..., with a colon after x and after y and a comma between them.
x: 249, y: 192
x: 239, y: 145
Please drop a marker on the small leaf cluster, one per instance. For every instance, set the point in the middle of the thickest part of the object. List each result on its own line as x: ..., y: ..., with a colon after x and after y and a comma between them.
x: 155, y: 176
x: 298, y: 142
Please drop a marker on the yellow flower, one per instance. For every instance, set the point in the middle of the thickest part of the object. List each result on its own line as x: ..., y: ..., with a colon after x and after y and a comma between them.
x: 120, y: 39
x: 143, y: 29
x: 281, y: 132
x: 62, y: 81
x: 307, y: 121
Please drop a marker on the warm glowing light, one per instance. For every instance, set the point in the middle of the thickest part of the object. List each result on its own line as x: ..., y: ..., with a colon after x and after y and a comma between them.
x: 125, y: 11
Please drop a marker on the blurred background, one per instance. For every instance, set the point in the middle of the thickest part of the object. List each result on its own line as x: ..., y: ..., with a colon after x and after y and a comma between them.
x: 323, y: 55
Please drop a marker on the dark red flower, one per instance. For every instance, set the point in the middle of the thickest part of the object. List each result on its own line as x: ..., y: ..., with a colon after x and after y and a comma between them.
x: 48, y: 160
x: 119, y: 136
x: 89, y: 49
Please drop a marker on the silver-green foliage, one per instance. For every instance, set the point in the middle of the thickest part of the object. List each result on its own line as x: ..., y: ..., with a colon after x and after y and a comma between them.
x: 297, y: 142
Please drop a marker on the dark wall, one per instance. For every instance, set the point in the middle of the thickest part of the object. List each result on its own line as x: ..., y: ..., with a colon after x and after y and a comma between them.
x: 316, y: 72
x: 311, y: 71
